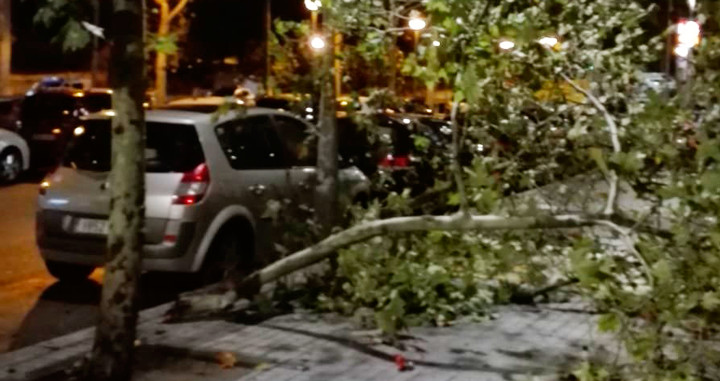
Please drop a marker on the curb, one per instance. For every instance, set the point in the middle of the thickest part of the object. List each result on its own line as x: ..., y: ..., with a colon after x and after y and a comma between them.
x: 49, y: 357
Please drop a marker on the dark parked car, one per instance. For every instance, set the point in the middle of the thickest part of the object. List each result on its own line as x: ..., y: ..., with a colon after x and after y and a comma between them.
x: 48, y: 116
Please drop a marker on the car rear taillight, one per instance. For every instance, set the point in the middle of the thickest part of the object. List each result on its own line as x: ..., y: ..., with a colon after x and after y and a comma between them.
x: 391, y: 161
x: 45, y: 184
x: 193, y: 186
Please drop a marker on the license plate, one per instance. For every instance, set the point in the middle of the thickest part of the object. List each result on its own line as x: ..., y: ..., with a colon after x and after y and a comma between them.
x: 91, y: 226
x: 44, y: 137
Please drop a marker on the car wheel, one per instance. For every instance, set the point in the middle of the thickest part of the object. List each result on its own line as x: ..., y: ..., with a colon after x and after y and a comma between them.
x: 68, y: 272
x: 10, y: 166
x: 230, y: 255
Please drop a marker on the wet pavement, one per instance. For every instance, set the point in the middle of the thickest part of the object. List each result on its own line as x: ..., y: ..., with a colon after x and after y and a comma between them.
x: 35, y: 307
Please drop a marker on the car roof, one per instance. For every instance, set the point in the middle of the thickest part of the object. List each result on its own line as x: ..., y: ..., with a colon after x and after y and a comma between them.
x: 192, y: 117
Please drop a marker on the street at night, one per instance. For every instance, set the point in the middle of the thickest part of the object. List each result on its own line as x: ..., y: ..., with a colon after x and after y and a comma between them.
x: 359, y: 190
x: 34, y: 306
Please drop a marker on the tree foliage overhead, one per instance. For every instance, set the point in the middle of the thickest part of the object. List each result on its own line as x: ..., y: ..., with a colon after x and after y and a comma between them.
x: 537, y: 121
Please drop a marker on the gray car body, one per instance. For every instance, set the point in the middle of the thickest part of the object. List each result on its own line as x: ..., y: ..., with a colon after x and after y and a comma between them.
x: 11, y: 140
x: 232, y: 195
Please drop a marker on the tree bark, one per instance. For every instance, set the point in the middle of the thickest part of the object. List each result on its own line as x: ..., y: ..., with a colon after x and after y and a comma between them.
x: 213, y: 300
x: 161, y: 57
x: 326, y: 198
x: 95, y: 60
x: 5, y: 45
x: 115, y: 335
x: 267, y: 30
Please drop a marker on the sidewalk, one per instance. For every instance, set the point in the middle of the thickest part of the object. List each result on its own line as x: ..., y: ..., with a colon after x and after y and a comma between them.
x: 518, y: 343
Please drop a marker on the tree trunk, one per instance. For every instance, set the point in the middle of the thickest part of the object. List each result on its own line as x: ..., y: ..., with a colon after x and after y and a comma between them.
x: 115, y: 335
x: 5, y: 45
x: 161, y: 58
x: 267, y: 30
x: 326, y: 197
x: 160, y: 78
x: 95, y: 60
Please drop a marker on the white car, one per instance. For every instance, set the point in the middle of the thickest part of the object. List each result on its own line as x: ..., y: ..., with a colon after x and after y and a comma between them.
x: 14, y: 156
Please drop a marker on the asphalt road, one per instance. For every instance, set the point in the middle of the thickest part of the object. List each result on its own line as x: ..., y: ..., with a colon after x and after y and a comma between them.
x: 33, y: 305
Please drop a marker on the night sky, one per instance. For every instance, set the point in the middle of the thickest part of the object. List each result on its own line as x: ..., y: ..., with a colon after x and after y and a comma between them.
x: 218, y: 28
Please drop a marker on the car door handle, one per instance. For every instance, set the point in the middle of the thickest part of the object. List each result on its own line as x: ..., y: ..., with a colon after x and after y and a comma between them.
x: 257, y: 189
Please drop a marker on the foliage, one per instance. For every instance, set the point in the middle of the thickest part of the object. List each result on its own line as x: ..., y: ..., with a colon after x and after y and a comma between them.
x: 291, y: 58
x: 538, y: 131
x: 64, y: 17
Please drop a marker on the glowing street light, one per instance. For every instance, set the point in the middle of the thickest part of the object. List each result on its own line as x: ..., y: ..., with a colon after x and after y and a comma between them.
x: 313, y: 5
x: 317, y: 43
x: 548, y: 41
x: 416, y: 21
x: 682, y: 51
x: 688, y: 33
x: 506, y: 44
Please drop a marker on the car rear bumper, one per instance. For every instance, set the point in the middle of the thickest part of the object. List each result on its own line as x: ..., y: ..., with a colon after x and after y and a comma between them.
x: 176, y: 256
x: 182, y: 264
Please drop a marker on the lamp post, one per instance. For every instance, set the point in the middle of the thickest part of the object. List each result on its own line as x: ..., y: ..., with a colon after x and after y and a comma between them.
x: 416, y: 23
x: 688, y: 37
x: 313, y: 6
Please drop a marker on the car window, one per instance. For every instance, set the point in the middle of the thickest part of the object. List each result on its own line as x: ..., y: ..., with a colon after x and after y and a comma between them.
x: 94, y: 102
x: 44, y: 106
x: 251, y: 143
x: 299, y: 143
x: 169, y: 148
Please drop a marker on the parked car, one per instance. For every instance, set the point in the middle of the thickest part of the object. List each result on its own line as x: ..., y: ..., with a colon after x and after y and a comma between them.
x: 208, y: 186
x: 14, y: 156
x: 384, y: 147
x: 48, y: 116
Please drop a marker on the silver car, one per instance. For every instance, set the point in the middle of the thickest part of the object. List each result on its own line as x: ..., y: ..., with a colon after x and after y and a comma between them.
x: 14, y: 156
x: 209, y: 185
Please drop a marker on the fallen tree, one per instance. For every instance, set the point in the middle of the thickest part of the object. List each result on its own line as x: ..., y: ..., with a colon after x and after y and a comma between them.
x: 222, y: 296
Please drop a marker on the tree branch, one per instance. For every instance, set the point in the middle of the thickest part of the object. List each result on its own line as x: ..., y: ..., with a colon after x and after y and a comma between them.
x: 612, y: 126
x: 213, y: 300
x: 178, y: 8
x: 630, y: 244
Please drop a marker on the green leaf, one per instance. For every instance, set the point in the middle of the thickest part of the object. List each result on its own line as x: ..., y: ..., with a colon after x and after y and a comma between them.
x: 596, y: 154
x: 710, y: 301
x: 629, y: 162
x: 422, y: 143
x: 711, y: 180
x: 73, y: 36
x: 662, y: 271
x: 166, y: 44
x: 608, y: 323
x: 708, y: 150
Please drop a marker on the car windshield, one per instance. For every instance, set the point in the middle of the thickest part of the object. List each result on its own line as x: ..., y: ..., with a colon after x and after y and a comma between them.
x: 47, y: 106
x: 94, y: 102
x: 169, y: 148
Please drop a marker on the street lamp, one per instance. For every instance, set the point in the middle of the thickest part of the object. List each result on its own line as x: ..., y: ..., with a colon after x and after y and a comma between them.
x: 416, y: 22
x: 506, y: 44
x: 688, y: 33
x: 548, y: 41
x: 317, y: 43
x: 313, y: 6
